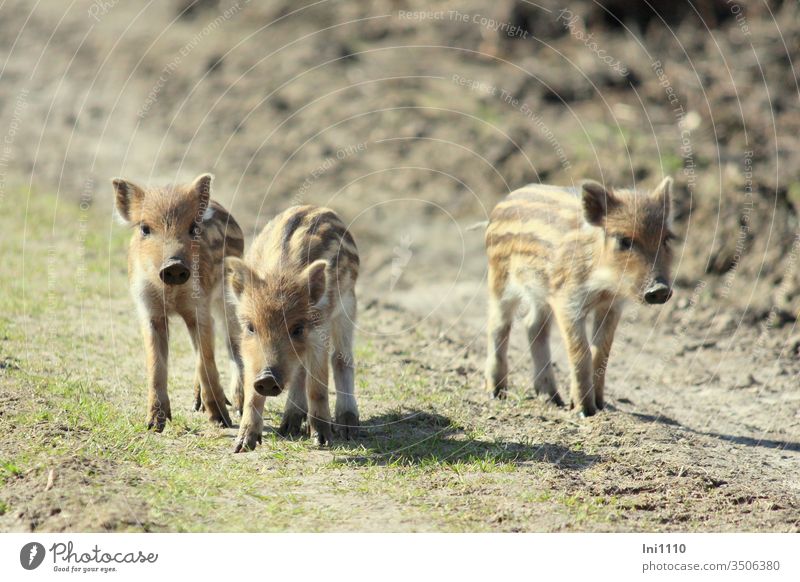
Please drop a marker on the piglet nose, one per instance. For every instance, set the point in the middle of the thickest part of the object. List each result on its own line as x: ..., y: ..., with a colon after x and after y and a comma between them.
x: 659, y: 292
x: 268, y: 382
x: 174, y: 272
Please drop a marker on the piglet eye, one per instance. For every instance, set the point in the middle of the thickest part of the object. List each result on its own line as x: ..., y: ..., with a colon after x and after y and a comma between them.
x: 144, y: 229
x: 250, y: 328
x: 194, y: 230
x: 625, y: 243
x: 297, y: 331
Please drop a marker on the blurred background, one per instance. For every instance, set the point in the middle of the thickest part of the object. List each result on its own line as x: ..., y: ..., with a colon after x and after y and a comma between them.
x: 412, y: 119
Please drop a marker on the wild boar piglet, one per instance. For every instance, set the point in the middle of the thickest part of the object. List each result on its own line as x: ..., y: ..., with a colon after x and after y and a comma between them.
x: 175, y: 267
x: 567, y: 254
x: 296, y: 305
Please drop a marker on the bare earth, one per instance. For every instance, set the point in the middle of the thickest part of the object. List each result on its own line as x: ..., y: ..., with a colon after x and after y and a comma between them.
x: 359, y: 109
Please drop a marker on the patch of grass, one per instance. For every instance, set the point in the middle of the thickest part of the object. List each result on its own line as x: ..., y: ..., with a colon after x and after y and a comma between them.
x: 672, y: 163
x: 579, y: 508
x: 488, y: 113
x: 365, y: 351
x: 8, y: 470
x: 72, y: 379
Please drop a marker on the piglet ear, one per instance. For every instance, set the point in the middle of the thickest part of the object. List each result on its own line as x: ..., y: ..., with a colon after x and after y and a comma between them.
x: 237, y: 275
x: 317, y: 280
x: 597, y: 201
x: 663, y: 192
x: 202, y: 186
x: 127, y: 196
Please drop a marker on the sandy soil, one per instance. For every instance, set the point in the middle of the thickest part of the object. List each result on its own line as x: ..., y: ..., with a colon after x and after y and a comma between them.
x: 412, y: 126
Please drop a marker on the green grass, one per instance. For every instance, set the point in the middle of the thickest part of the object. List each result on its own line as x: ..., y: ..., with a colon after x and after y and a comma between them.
x: 435, y: 455
x: 8, y: 470
x: 72, y: 357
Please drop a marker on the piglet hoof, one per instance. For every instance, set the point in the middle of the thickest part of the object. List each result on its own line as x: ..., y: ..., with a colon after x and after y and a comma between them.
x: 500, y: 393
x: 347, y: 425
x: 157, y: 419
x: 322, y: 431
x: 587, y: 411
x: 292, y: 424
x: 246, y: 442
x: 556, y: 399
x: 599, y: 403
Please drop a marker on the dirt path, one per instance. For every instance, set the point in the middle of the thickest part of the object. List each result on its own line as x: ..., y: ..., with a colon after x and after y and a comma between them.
x: 701, y: 433
x: 701, y: 426
x: 398, y: 125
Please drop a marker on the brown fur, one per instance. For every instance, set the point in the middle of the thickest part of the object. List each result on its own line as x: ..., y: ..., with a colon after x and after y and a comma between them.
x: 180, y: 225
x: 568, y: 255
x: 296, y: 304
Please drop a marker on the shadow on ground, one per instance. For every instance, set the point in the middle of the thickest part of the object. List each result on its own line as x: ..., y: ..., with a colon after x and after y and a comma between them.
x: 416, y: 438
x: 739, y: 440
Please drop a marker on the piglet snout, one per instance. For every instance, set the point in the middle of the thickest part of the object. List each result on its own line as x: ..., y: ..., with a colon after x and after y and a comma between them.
x: 268, y: 383
x: 659, y: 292
x: 174, y: 272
